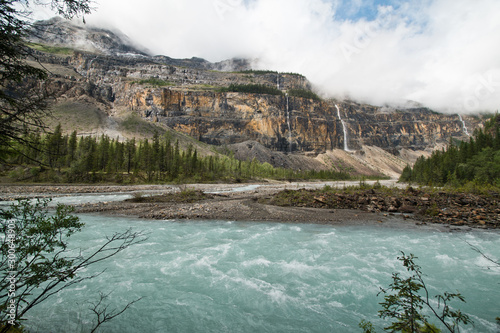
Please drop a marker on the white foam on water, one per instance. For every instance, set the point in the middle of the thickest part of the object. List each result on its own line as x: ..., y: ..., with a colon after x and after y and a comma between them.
x: 301, y: 268
x: 490, y: 267
x: 80, y: 287
x: 335, y: 304
x: 316, y: 308
x: 278, y: 296
x: 206, y: 261
x: 126, y: 285
x: 256, y: 262
x: 445, y: 259
x: 248, y: 277
x: 328, y: 235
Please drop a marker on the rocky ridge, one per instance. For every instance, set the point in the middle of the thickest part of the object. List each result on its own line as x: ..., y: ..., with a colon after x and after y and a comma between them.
x: 184, y: 95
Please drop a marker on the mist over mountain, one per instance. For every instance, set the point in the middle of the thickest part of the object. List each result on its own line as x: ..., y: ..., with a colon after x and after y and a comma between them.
x: 105, y: 84
x: 74, y: 34
x: 443, y: 54
x: 86, y: 37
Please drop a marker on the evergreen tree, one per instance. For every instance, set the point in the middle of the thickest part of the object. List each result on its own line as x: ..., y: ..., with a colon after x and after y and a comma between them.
x: 119, y: 156
x: 72, y: 146
x: 130, y: 151
x: 54, y: 146
x: 23, y: 99
x: 476, y: 160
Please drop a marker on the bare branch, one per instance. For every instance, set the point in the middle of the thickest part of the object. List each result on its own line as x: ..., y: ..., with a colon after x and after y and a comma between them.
x: 102, y: 312
x: 478, y: 250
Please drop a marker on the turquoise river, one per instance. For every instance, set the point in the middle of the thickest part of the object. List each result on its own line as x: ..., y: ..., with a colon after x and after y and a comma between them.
x: 226, y: 276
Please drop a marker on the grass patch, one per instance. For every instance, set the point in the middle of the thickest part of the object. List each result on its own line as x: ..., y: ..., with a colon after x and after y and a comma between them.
x: 184, y: 196
x: 138, y: 127
x: 82, y: 117
x: 58, y: 50
x: 155, y: 82
x: 204, y: 87
x: 292, y: 198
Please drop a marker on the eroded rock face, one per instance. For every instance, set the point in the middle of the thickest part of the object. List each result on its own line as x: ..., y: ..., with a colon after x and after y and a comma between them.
x: 190, y: 102
x: 416, y: 128
x: 225, y: 118
x: 308, y: 125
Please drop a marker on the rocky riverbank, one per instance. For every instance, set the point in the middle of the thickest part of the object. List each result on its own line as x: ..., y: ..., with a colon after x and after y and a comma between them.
x: 337, y: 203
x: 456, y: 209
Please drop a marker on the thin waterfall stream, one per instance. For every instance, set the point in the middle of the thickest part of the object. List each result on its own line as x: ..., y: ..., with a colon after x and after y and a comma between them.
x: 288, y: 123
x: 464, y: 127
x: 90, y: 66
x: 344, y: 128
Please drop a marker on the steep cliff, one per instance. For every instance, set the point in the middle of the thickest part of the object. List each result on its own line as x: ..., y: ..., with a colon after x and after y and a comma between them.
x: 317, y: 133
x: 296, y: 124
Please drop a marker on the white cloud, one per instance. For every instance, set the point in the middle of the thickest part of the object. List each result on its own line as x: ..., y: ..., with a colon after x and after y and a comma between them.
x: 442, y: 53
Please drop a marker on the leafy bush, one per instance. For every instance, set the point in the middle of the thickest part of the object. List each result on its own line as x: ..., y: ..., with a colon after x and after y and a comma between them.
x: 406, y: 298
x: 36, y: 261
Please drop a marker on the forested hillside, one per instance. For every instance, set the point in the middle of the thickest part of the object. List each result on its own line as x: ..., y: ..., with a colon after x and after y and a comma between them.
x: 69, y: 158
x: 476, y: 162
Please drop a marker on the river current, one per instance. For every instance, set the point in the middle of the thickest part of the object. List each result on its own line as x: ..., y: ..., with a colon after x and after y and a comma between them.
x: 224, y: 276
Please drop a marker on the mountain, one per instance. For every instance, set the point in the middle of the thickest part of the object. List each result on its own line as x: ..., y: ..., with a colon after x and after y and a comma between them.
x: 78, y: 36
x: 70, y: 34
x: 105, y: 84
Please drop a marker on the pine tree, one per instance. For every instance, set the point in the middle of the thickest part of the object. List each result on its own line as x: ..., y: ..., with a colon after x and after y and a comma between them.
x: 130, y: 151
x: 72, y: 146
x: 54, y: 147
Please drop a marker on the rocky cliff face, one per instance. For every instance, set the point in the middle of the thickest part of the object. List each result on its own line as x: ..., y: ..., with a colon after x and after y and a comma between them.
x: 191, y: 104
x: 392, y: 129
x: 188, y: 99
x: 295, y: 124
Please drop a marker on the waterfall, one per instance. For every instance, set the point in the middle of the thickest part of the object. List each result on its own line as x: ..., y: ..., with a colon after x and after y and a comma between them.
x: 344, y: 128
x: 288, y: 122
x: 463, y: 125
x: 90, y: 66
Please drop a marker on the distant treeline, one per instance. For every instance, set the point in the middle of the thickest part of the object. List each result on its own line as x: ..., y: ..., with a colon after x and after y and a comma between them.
x: 303, y: 93
x: 263, y: 72
x: 252, y: 89
x: 68, y: 158
x: 476, y: 161
x: 263, y: 89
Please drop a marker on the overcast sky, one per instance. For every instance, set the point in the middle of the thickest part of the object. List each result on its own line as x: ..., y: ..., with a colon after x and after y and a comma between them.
x: 444, y: 54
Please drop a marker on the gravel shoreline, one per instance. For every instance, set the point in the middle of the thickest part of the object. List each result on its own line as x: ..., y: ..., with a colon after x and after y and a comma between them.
x: 235, y: 202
